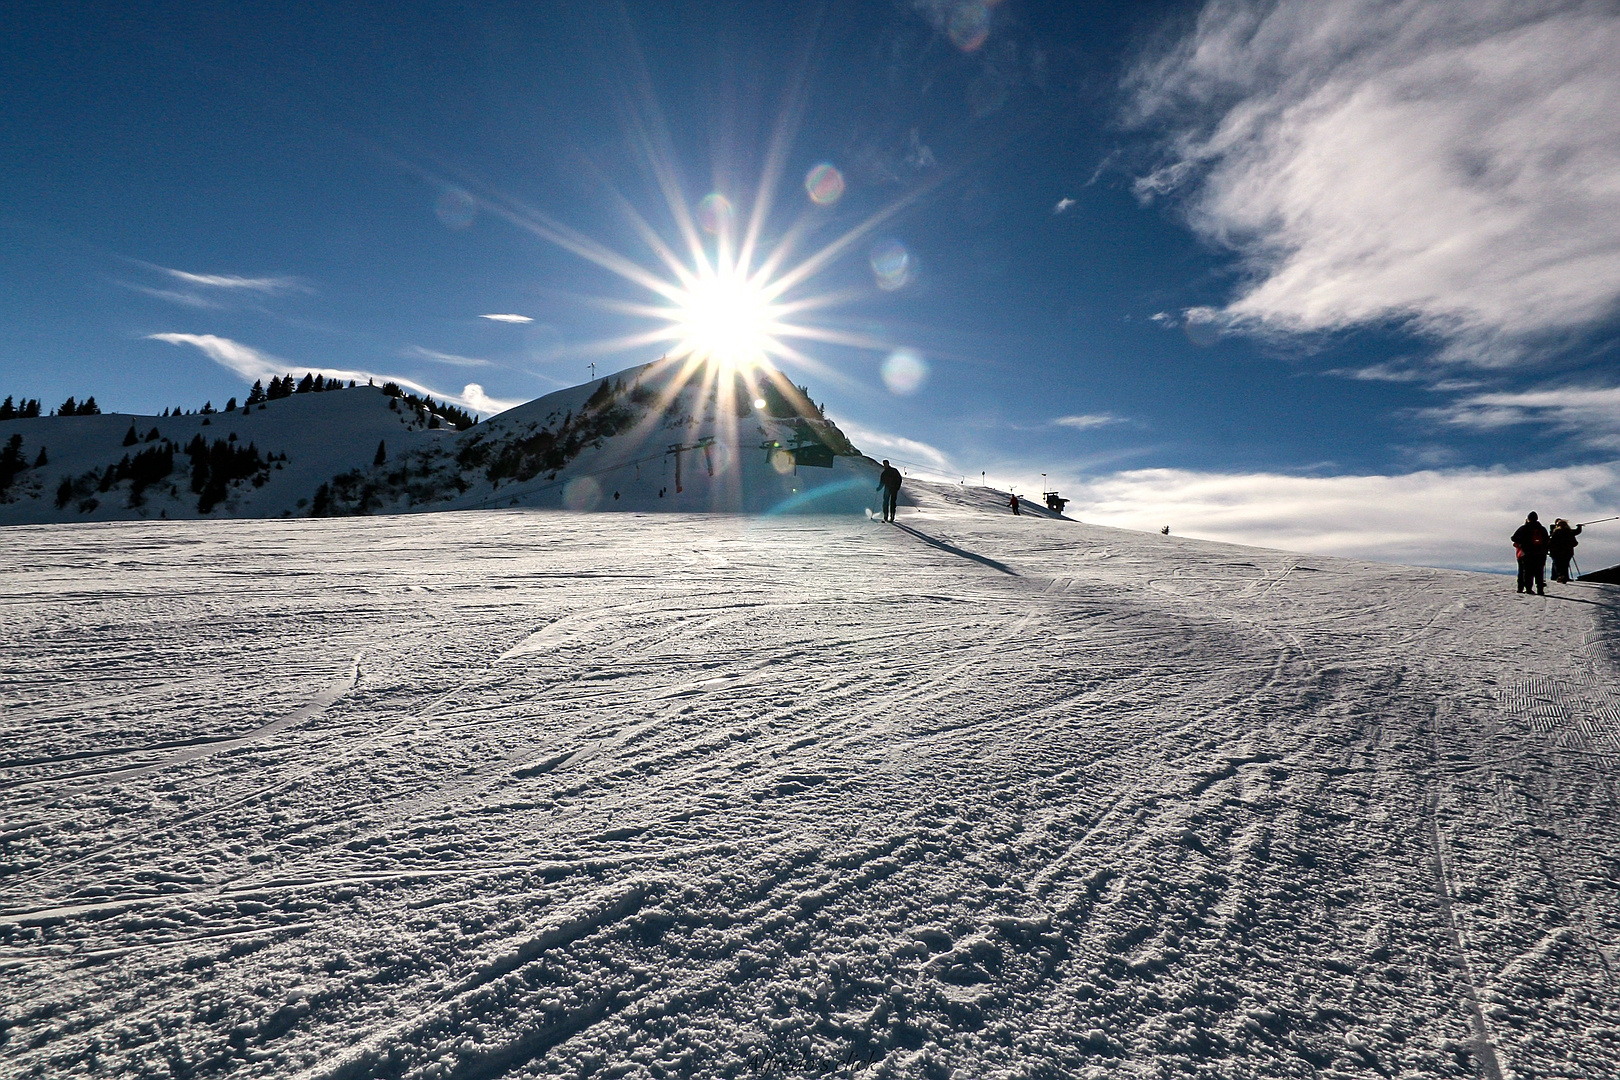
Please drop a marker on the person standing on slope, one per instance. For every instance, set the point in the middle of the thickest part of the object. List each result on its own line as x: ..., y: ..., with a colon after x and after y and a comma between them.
x: 1561, y: 545
x: 889, y: 482
x: 1012, y: 501
x: 1530, y: 545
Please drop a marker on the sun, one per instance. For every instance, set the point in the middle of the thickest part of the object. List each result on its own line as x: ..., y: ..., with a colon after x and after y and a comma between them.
x: 724, y: 318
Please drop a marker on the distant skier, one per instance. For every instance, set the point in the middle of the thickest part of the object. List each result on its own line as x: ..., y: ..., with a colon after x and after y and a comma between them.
x: 1013, y: 502
x: 889, y: 481
x: 1561, y: 544
x: 1530, y: 545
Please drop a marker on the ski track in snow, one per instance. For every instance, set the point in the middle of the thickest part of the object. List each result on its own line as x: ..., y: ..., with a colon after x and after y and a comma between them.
x: 534, y: 794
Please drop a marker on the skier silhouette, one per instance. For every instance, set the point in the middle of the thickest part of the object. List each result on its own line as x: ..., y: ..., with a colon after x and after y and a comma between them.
x: 1561, y: 544
x: 1013, y: 502
x: 1530, y: 545
x: 889, y: 481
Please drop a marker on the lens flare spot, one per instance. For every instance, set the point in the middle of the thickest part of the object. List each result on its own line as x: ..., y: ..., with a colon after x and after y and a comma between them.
x: 782, y: 462
x: 891, y: 265
x: 582, y: 494
x: 714, y: 213
x: 1202, y: 332
x: 455, y: 208
x: 759, y: 403
x: 904, y: 372
x: 824, y: 184
x: 969, y: 25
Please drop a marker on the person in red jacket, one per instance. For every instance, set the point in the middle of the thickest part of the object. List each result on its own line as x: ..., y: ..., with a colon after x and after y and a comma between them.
x: 1530, y: 545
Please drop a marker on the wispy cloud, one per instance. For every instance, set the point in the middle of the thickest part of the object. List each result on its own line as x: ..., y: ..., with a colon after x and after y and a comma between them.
x: 254, y: 364
x: 175, y: 296
x: 1591, y: 413
x: 1451, y: 517
x: 1448, y: 163
x: 1392, y: 373
x: 1063, y: 205
x: 508, y: 318
x: 420, y: 353
x: 882, y: 444
x: 234, y: 281
x: 1088, y: 420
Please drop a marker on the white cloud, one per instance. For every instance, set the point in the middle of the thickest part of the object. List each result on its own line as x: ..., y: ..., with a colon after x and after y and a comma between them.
x: 474, y: 398
x: 508, y: 318
x: 245, y: 360
x: 1062, y: 205
x: 420, y: 353
x: 1455, y: 163
x: 882, y: 444
x: 1088, y: 420
x: 1591, y: 412
x: 233, y: 281
x: 252, y: 364
x: 1455, y: 517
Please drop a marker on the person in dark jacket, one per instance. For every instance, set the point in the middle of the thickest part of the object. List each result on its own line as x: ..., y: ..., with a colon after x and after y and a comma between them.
x: 1013, y: 502
x: 889, y: 482
x: 1530, y: 544
x: 1561, y: 544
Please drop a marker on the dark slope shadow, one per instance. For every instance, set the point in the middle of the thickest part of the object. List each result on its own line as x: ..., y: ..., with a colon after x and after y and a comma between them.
x: 954, y: 550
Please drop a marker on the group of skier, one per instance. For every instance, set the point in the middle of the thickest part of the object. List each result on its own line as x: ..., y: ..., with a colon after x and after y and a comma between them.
x: 1533, y: 542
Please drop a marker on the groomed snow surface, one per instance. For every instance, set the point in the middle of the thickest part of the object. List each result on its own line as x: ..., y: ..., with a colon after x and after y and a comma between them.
x: 530, y: 793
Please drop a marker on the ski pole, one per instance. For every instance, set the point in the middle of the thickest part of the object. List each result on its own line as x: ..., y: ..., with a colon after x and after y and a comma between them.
x: 1584, y: 523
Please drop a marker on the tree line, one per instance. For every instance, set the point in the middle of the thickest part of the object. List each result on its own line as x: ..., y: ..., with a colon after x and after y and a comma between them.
x: 214, y: 468
x: 28, y: 408
x: 432, y: 413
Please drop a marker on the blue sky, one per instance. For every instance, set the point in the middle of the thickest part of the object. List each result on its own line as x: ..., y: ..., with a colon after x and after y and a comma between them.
x: 1338, y: 276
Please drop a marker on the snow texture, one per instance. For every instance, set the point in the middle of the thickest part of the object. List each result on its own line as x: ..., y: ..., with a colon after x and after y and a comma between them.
x: 530, y: 793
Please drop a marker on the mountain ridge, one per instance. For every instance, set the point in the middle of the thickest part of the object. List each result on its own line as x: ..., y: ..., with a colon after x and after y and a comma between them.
x: 658, y: 436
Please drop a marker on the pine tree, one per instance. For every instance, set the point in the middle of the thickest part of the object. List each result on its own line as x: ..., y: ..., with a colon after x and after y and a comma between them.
x: 382, y: 453
x: 70, y: 407
x: 230, y: 406
x: 255, y: 395
x: 130, y: 438
x: 319, y: 385
x: 12, y: 462
x: 90, y: 408
x: 7, y: 409
x: 306, y: 384
x: 41, y: 461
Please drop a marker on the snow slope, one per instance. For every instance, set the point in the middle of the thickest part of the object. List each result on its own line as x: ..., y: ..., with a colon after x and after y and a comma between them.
x: 647, y: 438
x: 320, y: 434
x: 528, y: 793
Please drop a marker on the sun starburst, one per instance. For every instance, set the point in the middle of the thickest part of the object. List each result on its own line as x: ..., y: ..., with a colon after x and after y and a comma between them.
x: 728, y: 320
